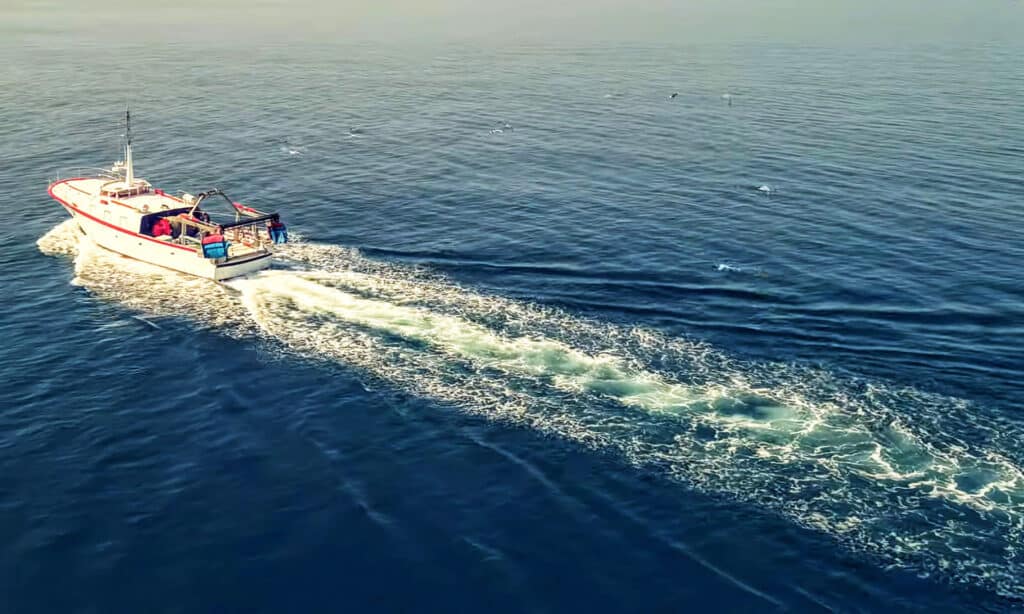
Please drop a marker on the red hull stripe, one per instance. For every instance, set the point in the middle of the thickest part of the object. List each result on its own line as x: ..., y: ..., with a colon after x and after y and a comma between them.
x: 108, y: 224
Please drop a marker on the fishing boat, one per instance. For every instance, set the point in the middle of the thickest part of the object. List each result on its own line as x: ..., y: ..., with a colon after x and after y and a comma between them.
x: 127, y: 215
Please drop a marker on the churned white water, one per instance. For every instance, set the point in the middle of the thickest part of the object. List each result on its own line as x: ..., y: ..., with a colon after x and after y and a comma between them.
x: 882, y: 469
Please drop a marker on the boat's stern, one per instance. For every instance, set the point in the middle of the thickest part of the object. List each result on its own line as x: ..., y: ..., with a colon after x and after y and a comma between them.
x: 240, y: 266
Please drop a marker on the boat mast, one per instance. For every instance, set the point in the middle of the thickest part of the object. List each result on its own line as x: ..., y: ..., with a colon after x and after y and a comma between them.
x: 129, y: 178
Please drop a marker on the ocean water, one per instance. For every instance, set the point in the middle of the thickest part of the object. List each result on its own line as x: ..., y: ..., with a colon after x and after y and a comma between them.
x: 542, y: 344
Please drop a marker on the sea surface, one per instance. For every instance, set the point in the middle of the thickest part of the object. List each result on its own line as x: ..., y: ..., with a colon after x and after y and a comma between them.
x: 541, y: 342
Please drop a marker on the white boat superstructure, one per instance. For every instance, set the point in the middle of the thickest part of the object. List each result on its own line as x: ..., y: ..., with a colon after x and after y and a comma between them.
x: 125, y: 214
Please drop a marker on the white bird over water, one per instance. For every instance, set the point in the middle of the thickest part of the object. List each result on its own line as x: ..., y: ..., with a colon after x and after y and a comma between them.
x: 727, y: 98
x: 767, y: 189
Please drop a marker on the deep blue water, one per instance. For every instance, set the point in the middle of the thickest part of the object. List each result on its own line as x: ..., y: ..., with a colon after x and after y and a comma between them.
x: 578, y: 364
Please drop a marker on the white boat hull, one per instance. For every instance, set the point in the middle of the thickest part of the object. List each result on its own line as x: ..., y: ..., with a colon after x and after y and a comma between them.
x: 166, y: 255
x: 106, y: 226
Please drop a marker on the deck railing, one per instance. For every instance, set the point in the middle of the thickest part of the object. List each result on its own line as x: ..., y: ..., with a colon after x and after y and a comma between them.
x: 82, y: 171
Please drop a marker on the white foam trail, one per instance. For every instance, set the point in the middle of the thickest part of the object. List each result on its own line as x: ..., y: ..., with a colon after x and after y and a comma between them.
x: 61, y: 240
x: 145, y: 288
x: 886, y: 471
x: 779, y: 421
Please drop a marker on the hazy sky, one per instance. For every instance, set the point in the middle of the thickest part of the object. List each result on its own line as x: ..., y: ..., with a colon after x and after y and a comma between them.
x: 797, y: 21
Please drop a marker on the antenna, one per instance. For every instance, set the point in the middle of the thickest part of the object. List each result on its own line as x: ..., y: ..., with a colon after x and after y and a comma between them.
x: 129, y: 178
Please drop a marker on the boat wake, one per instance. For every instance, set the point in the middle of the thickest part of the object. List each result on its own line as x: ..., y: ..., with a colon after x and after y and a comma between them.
x: 921, y: 481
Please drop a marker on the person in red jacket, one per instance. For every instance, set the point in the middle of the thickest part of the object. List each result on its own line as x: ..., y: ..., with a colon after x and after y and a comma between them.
x: 161, y: 227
